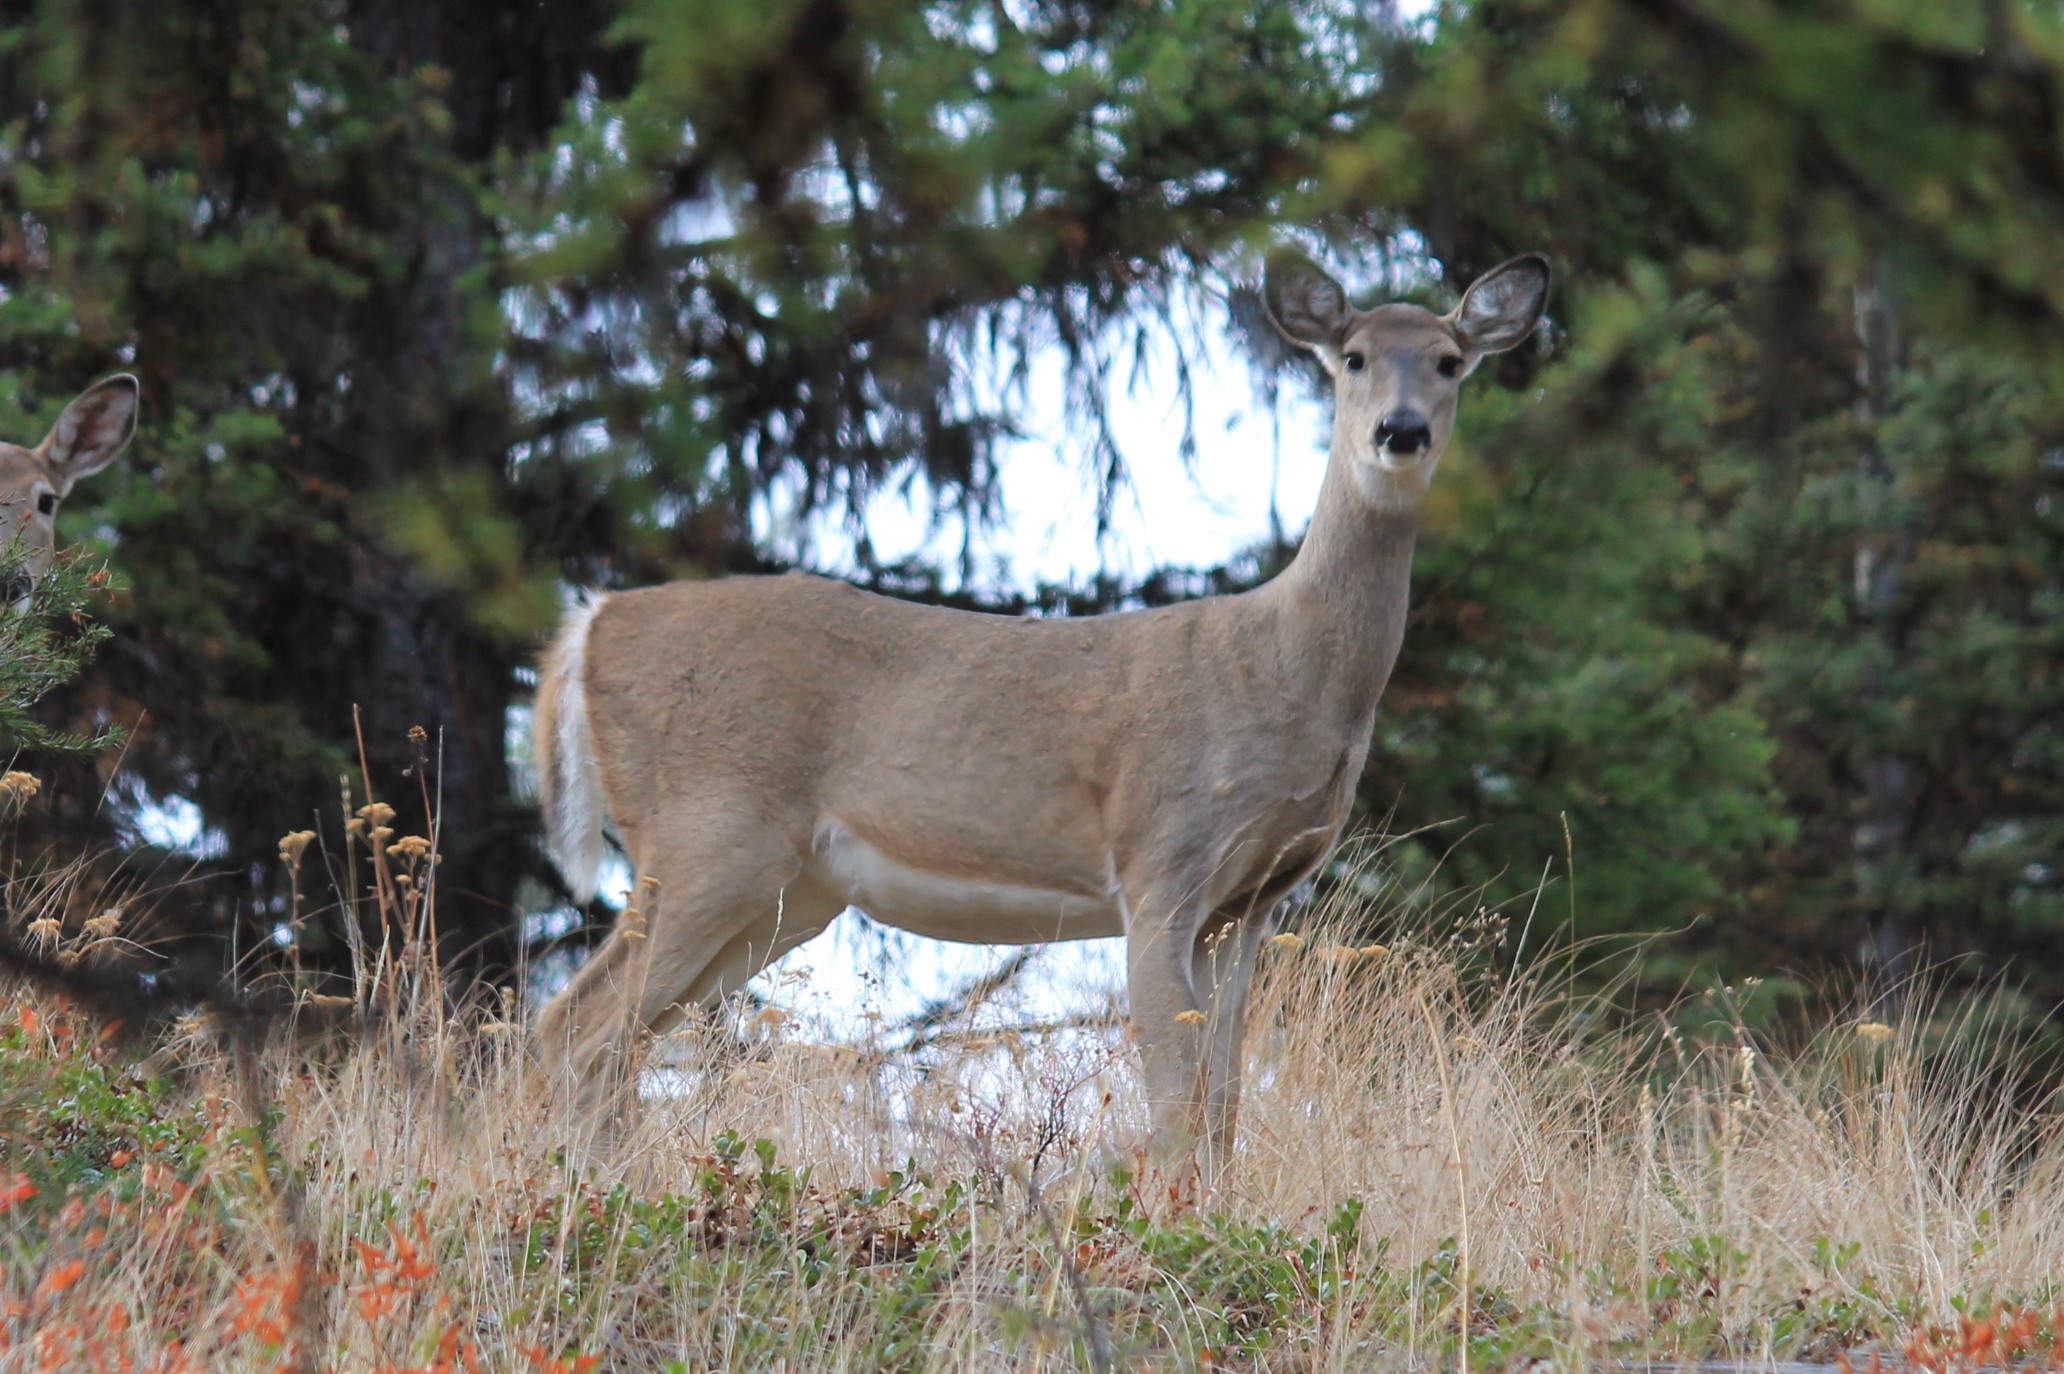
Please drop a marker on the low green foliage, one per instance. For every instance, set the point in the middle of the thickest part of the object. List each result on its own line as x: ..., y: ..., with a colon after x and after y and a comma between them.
x: 69, y: 1116
x: 46, y: 646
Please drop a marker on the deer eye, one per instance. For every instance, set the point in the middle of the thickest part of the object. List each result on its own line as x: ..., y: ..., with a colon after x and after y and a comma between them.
x: 1354, y: 361
x: 1450, y: 365
x: 46, y: 504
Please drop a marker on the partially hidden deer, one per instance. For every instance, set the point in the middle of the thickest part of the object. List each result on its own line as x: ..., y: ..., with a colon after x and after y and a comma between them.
x: 771, y: 750
x: 90, y: 433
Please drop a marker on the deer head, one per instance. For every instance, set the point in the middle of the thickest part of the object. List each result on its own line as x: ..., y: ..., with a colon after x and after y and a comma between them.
x: 89, y: 435
x: 1396, y: 368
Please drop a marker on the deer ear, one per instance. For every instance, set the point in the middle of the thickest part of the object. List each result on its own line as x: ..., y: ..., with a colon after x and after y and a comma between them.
x: 1309, y: 307
x: 92, y: 431
x: 1501, y: 307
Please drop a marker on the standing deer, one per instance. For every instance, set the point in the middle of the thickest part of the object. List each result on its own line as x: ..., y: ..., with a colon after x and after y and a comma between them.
x: 90, y: 433
x: 772, y: 750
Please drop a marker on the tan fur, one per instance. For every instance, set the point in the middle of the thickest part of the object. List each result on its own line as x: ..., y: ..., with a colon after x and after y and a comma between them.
x: 90, y: 433
x: 774, y: 749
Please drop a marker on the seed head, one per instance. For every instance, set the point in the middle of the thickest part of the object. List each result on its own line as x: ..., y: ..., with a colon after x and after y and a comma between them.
x: 293, y: 845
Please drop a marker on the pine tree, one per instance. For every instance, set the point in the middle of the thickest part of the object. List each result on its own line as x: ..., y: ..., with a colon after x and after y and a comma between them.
x: 439, y: 305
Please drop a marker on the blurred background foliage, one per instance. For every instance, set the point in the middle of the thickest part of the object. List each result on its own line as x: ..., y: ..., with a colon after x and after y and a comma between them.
x: 1741, y: 592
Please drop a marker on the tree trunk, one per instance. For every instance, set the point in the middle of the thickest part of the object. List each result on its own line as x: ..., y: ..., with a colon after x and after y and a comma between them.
x: 1880, y: 842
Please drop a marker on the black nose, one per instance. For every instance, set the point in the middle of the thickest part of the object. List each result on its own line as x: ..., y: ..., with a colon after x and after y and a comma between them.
x: 16, y: 586
x: 1404, y: 431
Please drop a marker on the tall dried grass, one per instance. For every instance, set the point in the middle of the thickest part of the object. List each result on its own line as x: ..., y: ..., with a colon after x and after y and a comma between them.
x: 1431, y: 1143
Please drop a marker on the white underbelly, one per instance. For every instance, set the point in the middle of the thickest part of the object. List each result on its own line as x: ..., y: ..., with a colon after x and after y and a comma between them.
x: 954, y: 908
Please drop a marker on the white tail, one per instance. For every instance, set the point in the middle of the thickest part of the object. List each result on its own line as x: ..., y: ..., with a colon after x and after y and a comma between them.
x: 569, y: 779
x: 775, y: 749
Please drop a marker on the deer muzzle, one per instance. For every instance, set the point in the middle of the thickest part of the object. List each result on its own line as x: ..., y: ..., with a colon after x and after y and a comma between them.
x: 1404, y: 433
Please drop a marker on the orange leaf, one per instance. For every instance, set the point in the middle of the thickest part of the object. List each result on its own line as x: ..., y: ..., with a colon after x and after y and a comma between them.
x: 19, y: 1191
x: 410, y: 1261
x: 61, y: 1278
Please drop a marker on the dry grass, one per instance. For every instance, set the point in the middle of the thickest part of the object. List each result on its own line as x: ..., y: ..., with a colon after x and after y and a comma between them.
x: 1428, y: 1144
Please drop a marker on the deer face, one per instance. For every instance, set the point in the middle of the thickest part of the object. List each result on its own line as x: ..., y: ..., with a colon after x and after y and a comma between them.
x: 1397, y: 368
x: 90, y: 434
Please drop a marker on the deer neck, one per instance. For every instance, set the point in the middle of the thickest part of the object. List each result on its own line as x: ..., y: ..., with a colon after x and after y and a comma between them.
x: 1341, y: 604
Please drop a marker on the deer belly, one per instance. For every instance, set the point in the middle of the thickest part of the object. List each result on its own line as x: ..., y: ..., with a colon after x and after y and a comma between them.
x: 955, y: 907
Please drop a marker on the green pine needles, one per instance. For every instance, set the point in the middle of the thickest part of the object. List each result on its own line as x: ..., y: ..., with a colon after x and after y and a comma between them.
x: 45, y: 647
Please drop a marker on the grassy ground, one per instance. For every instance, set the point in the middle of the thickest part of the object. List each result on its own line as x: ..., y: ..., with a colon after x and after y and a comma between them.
x: 1429, y: 1148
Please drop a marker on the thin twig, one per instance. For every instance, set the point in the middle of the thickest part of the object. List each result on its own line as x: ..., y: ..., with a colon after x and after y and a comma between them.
x: 936, y: 1015
x: 964, y: 1035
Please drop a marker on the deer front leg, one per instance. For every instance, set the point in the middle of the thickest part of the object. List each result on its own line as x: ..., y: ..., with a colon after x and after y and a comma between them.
x: 1167, y: 1021
x: 1222, y: 967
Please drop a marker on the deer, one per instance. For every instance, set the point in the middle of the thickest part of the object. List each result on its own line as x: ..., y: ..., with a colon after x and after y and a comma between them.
x: 90, y: 433
x: 770, y: 750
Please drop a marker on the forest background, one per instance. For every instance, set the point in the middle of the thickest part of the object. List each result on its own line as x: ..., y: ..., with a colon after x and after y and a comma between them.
x: 1742, y: 594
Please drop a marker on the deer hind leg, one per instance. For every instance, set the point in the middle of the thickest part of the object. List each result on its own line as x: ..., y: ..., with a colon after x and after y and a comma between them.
x: 582, y: 1031
x: 713, y: 883
x: 801, y: 911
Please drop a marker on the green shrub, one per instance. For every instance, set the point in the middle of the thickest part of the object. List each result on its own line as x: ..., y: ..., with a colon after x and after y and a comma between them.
x: 43, y: 648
